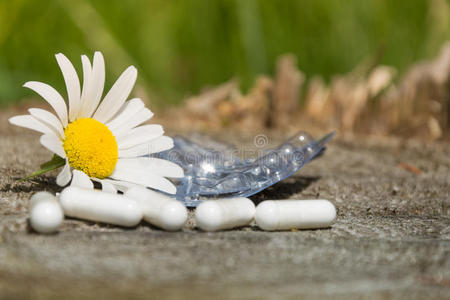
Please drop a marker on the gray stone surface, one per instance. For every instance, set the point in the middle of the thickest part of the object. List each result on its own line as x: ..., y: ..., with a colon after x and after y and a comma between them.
x: 391, y: 239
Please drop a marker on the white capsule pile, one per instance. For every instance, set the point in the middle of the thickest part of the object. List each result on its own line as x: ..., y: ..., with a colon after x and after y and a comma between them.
x: 46, y: 214
x: 159, y: 210
x: 295, y: 214
x: 223, y: 214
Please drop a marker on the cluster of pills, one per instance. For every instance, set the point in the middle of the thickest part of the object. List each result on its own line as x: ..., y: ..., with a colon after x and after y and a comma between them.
x: 47, y: 212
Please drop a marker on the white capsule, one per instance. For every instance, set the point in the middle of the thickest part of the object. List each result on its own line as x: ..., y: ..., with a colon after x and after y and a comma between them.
x: 98, y: 206
x: 46, y: 215
x: 160, y: 210
x: 226, y: 213
x: 289, y: 214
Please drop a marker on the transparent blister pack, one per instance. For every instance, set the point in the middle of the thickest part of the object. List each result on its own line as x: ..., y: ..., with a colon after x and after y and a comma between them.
x: 217, y: 170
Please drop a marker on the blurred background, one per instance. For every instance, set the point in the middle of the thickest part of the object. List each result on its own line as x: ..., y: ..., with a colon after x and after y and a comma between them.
x: 375, y: 66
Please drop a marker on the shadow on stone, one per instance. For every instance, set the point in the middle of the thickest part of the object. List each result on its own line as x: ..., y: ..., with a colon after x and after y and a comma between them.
x: 284, y: 189
x: 39, y: 183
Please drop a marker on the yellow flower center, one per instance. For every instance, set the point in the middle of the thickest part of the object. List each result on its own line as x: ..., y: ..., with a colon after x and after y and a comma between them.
x: 91, y: 147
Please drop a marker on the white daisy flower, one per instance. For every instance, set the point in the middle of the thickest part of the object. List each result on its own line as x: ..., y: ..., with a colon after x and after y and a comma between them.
x: 100, y: 141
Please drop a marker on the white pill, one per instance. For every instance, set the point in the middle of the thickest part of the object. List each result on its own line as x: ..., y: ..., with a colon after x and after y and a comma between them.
x: 160, y: 210
x: 212, y: 215
x: 301, y: 214
x: 46, y: 215
x: 98, y: 206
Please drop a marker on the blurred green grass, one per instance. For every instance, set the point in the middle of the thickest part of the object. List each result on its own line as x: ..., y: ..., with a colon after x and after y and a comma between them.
x: 181, y: 46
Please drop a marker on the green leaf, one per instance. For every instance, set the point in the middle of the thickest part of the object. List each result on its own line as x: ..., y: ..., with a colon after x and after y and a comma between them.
x: 51, y: 165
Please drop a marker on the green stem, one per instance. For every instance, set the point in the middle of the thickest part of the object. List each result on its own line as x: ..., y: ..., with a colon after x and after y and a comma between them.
x: 51, y: 165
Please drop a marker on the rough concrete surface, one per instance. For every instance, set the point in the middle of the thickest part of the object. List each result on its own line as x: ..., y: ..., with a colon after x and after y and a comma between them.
x: 391, y: 239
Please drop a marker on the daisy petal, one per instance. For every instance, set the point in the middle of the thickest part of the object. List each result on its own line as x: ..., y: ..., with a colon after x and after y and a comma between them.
x: 162, y: 143
x: 122, y: 186
x: 52, y: 143
x: 108, y: 187
x: 140, y: 135
x: 80, y: 179
x: 87, y: 70
x: 130, y: 108
x: 29, y: 122
x: 49, y: 119
x: 96, y: 85
x: 117, y: 95
x: 144, y: 115
x: 72, y: 84
x: 64, y: 176
x: 154, y: 165
x: 144, y: 178
x: 52, y: 97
